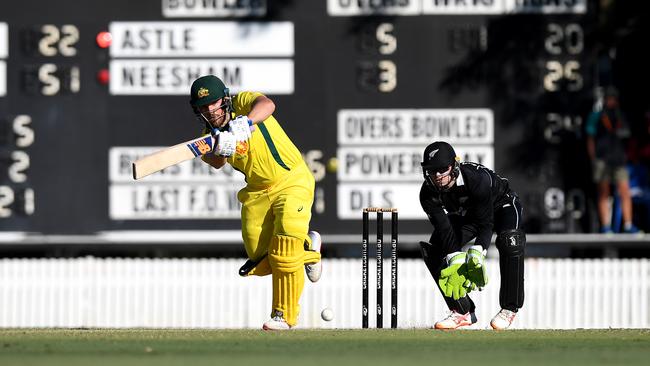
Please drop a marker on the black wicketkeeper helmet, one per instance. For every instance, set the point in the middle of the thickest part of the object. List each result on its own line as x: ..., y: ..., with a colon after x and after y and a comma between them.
x: 438, y: 157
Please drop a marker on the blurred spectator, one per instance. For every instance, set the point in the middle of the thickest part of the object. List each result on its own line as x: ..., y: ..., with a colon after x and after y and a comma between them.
x: 638, y: 161
x: 640, y: 193
x: 606, y: 130
x: 639, y: 143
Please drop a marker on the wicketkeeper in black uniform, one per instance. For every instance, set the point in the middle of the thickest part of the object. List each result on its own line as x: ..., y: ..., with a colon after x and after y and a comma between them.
x: 466, y: 201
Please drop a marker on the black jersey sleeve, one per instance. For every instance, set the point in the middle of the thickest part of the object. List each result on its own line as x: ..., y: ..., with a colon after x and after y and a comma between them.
x: 480, y: 208
x: 442, y: 229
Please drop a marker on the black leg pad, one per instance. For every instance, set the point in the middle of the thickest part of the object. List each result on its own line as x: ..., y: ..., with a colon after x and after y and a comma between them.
x: 511, y: 245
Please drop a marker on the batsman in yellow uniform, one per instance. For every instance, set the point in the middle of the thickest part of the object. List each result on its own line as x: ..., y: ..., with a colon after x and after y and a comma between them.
x: 277, y: 200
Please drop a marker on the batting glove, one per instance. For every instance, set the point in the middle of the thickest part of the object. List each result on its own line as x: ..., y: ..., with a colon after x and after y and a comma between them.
x: 226, y: 144
x: 476, y: 271
x: 241, y: 127
x: 453, y: 279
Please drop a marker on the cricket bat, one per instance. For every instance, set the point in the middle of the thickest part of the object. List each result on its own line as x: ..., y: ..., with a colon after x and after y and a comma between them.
x: 173, y: 155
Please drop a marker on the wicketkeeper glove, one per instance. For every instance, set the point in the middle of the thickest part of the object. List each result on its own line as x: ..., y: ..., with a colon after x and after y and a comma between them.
x: 453, y: 279
x: 476, y: 271
x: 241, y: 127
x: 226, y: 144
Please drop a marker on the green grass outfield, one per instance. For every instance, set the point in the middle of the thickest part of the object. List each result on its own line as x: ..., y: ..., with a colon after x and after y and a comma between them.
x: 323, y: 347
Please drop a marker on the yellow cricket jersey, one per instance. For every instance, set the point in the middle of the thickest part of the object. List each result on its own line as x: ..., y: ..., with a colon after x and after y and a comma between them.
x: 269, y: 154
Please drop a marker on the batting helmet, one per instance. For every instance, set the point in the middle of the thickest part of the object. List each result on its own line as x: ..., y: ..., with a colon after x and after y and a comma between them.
x: 207, y: 89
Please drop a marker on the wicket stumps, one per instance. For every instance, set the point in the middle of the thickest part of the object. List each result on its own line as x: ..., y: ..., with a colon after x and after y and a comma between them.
x: 393, y: 266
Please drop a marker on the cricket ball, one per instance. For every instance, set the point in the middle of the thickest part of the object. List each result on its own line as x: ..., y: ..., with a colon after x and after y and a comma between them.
x: 327, y: 314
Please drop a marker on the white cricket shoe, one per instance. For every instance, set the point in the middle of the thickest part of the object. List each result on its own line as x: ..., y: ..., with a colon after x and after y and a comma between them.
x: 455, y: 320
x: 276, y: 322
x: 503, y: 319
x: 314, y: 270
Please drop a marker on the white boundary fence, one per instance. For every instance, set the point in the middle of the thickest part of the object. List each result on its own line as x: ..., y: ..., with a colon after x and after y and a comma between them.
x: 208, y: 293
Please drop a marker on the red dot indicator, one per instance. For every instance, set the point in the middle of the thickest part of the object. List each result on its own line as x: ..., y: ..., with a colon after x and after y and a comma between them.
x: 103, y: 76
x: 104, y: 39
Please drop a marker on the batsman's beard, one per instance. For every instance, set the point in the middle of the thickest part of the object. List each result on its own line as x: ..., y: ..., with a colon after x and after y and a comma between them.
x: 217, y: 118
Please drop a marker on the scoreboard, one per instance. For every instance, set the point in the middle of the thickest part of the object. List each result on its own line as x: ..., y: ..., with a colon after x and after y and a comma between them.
x: 361, y: 87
